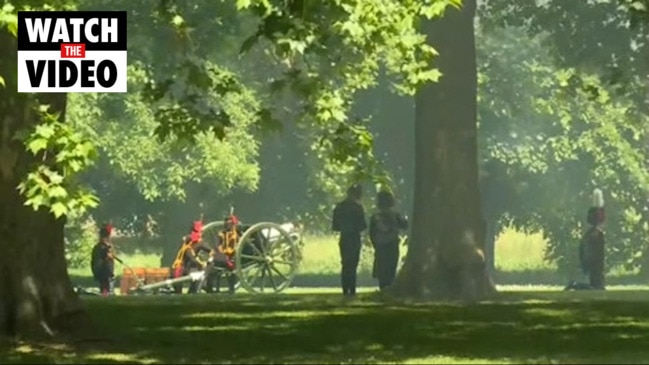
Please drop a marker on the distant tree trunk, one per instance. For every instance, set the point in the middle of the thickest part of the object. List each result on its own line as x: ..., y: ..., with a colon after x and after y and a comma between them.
x: 36, y: 295
x: 490, y: 248
x: 445, y: 259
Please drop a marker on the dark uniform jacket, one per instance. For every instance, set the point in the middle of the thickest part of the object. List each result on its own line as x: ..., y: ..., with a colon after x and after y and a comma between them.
x: 102, y: 262
x: 349, y: 220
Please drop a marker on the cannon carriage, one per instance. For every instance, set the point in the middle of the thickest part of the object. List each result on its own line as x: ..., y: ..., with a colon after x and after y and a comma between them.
x: 266, y: 258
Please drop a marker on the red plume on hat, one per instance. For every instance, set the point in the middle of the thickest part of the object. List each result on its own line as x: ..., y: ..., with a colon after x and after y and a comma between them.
x: 234, y: 219
x: 106, y: 230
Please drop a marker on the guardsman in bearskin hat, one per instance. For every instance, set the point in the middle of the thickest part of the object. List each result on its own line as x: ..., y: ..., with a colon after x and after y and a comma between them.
x: 187, y: 260
x: 591, y: 251
x: 103, y: 261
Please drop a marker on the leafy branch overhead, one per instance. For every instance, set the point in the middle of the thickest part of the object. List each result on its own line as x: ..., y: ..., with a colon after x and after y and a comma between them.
x: 121, y: 126
x: 328, y: 51
x: 64, y: 153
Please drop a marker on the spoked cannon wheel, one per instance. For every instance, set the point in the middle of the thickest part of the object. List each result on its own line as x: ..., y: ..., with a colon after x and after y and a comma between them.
x: 267, y: 258
x: 210, y: 233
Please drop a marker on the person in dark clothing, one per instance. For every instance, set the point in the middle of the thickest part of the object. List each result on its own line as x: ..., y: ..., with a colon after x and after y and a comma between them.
x: 349, y: 220
x: 385, y: 228
x: 103, y: 261
x: 187, y: 260
x: 591, y: 247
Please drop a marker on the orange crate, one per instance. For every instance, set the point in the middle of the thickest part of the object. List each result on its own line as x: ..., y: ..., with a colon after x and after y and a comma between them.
x: 129, y: 279
x: 156, y: 275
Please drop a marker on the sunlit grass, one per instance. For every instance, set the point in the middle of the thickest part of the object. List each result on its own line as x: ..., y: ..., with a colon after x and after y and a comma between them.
x: 514, y: 251
x: 457, y: 360
x: 518, y: 251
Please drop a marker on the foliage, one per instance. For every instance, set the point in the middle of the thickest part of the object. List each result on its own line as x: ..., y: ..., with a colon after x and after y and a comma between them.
x: 80, y: 238
x: 325, y: 62
x: 599, y: 45
x: 556, y: 134
x: 122, y: 127
x: 142, y: 179
x: 229, y: 164
x: 63, y: 153
x: 595, y: 36
x: 332, y: 49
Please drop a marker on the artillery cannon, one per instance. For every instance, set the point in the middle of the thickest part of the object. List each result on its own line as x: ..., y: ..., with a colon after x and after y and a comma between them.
x: 267, y: 257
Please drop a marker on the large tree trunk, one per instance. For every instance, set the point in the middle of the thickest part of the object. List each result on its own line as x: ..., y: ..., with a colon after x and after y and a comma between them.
x: 445, y: 259
x: 36, y: 295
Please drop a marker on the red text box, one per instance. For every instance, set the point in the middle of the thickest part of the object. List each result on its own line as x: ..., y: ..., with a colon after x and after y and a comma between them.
x: 73, y: 50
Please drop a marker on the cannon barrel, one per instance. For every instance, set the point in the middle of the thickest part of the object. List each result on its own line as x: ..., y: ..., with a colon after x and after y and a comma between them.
x: 195, y: 276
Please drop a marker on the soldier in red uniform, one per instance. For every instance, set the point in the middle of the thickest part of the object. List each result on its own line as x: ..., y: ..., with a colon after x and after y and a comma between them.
x: 223, y: 255
x: 103, y: 261
x: 187, y: 260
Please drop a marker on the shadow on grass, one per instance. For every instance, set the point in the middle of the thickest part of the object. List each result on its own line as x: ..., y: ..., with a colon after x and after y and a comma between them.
x: 324, y: 328
x: 551, y: 277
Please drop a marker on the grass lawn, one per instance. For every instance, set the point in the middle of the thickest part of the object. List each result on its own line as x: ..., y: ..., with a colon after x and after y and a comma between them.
x: 301, y: 326
x: 524, y: 324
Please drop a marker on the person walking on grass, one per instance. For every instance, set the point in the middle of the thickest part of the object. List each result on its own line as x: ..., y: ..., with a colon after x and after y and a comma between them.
x: 349, y: 220
x: 385, y: 230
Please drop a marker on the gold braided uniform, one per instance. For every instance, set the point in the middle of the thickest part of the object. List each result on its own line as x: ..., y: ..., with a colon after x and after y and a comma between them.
x: 187, y: 248
x: 228, y: 241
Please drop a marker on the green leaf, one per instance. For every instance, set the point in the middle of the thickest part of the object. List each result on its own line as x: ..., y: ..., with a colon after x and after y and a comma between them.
x: 45, y: 131
x: 59, y: 209
x: 36, y: 145
x: 57, y: 192
x: 243, y: 4
x: 338, y: 115
x: 437, y: 8
x: 9, y: 18
x: 89, y: 200
x: 35, y: 202
x: 54, y: 177
x: 75, y: 166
